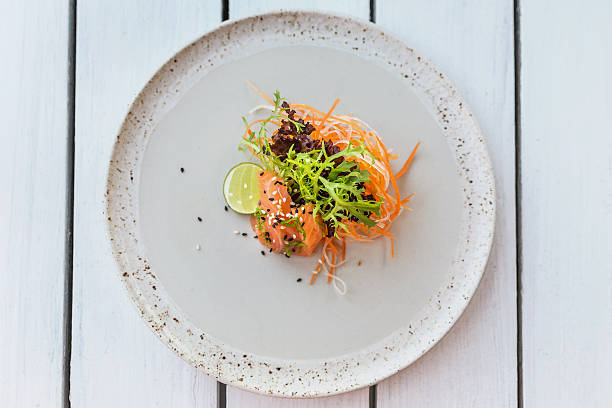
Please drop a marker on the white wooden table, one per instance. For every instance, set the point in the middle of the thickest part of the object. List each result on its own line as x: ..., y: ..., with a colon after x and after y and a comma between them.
x: 537, y: 75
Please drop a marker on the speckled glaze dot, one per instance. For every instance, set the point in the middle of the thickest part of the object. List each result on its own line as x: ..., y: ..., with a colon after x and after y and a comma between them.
x: 319, y: 377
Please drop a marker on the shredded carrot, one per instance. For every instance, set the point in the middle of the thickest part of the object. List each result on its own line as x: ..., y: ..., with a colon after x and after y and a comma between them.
x: 263, y: 95
x: 312, y: 277
x: 332, y: 267
x: 408, y: 162
x: 327, y: 115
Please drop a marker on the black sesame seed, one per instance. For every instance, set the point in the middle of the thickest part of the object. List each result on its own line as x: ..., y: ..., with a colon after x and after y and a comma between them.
x: 255, y: 236
x: 270, y: 249
x: 225, y: 207
x: 299, y: 279
x: 200, y: 219
x: 292, y: 249
x: 263, y: 253
x: 244, y: 234
x: 261, y: 174
x: 271, y: 199
x: 287, y: 255
x: 182, y: 170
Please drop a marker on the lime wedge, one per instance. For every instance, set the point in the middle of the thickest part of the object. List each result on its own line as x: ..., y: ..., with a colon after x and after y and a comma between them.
x: 241, y: 189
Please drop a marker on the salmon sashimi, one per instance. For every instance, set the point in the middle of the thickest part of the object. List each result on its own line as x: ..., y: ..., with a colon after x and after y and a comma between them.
x: 281, y: 224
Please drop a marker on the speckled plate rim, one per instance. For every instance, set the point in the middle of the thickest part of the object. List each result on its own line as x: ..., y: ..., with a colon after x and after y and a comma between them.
x: 301, y: 378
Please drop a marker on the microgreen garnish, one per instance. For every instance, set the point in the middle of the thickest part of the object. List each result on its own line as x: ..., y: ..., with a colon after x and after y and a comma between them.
x: 335, y: 190
x: 260, y: 218
x: 294, y: 223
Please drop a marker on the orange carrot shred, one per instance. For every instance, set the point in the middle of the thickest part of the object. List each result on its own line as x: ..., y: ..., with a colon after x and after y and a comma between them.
x: 408, y: 162
x: 266, y: 97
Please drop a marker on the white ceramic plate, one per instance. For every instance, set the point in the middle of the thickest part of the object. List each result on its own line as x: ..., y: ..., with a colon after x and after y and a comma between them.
x: 243, y: 317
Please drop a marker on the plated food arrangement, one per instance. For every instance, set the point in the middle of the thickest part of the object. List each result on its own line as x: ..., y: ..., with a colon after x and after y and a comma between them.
x: 325, y: 179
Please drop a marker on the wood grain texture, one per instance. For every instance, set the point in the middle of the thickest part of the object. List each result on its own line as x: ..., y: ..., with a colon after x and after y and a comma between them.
x: 117, y: 361
x: 475, y: 365
x: 34, y: 113
x: 355, y: 8
x: 240, y: 8
x: 567, y: 203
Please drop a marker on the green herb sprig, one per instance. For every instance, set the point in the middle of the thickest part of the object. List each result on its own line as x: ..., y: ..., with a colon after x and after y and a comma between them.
x: 335, y: 190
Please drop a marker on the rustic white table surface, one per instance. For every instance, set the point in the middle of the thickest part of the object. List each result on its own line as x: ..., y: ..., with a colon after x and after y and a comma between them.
x: 536, y: 73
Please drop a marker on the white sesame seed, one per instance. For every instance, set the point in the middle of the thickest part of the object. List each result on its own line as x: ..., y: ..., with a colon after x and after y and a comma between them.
x: 284, y: 199
x: 292, y: 203
x: 273, y: 178
x: 301, y: 219
x: 295, y: 190
x: 237, y: 232
x: 282, y: 227
x: 198, y: 247
x: 293, y: 236
x: 245, y: 186
x: 274, y: 241
x: 250, y: 197
x: 230, y: 194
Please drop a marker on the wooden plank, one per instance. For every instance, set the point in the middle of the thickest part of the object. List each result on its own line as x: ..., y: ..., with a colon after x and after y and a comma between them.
x: 566, y: 60
x: 34, y: 82
x: 116, y: 359
x: 241, y: 8
x: 475, y: 365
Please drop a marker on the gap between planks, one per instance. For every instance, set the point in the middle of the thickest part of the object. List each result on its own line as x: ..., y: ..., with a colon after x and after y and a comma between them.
x: 518, y: 200
x: 69, y: 237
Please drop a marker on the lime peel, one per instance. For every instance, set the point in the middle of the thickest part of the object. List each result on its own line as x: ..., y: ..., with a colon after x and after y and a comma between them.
x: 241, y: 188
